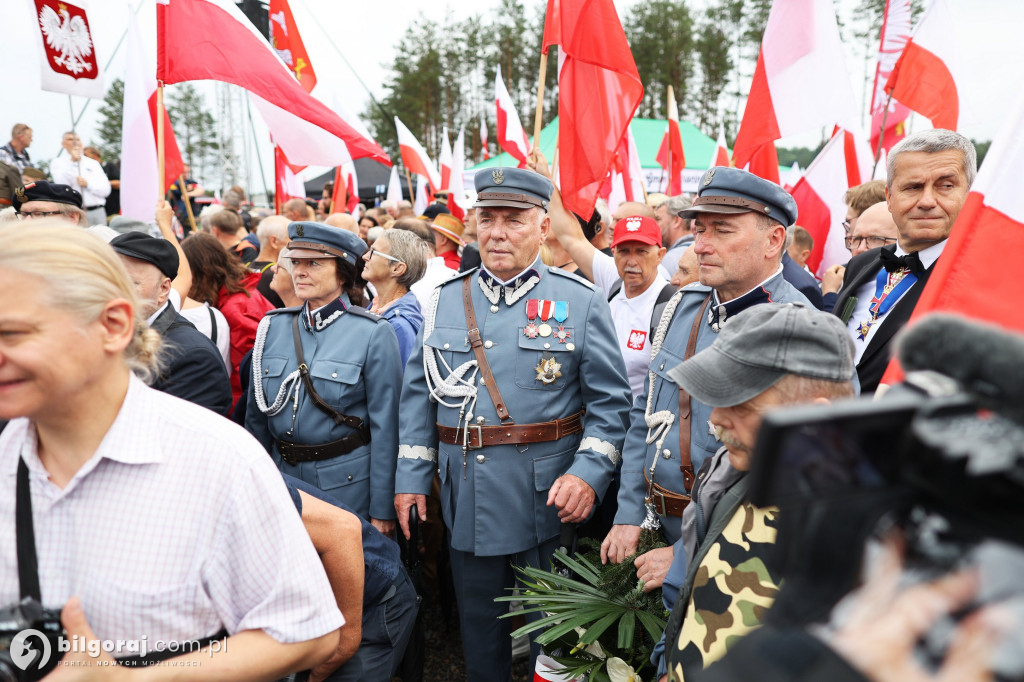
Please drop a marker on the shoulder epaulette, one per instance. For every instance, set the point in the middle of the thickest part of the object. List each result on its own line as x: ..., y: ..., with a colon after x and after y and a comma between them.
x: 278, y: 311
x: 363, y: 312
x: 456, y: 277
x: 569, y: 275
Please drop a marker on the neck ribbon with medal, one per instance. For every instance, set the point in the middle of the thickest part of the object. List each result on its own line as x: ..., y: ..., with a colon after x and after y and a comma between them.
x: 889, y: 287
x: 548, y: 369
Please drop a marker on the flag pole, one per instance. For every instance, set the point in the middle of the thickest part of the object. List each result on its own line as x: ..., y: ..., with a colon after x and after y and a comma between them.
x: 669, y: 95
x: 881, y: 135
x: 161, y: 190
x: 537, y: 119
x: 408, y: 180
x: 188, y: 201
x: 74, y: 136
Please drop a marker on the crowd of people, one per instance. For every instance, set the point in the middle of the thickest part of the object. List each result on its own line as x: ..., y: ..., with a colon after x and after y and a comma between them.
x: 175, y: 393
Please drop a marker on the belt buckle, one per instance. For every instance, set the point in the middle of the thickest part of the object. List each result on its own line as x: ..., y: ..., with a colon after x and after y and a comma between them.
x: 288, y: 455
x: 468, y: 440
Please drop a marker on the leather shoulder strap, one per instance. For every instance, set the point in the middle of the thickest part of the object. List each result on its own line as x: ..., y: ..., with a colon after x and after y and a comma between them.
x: 318, y: 402
x: 481, y: 357
x: 685, y: 407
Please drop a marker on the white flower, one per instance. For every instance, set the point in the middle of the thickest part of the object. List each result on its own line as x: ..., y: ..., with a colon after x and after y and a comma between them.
x: 620, y: 671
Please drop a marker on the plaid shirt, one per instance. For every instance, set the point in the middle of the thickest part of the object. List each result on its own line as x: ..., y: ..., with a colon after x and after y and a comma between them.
x: 178, y: 526
x: 13, y: 158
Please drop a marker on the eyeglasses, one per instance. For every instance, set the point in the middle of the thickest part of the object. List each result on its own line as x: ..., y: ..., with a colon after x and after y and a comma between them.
x: 29, y: 215
x: 872, y: 242
x: 373, y: 251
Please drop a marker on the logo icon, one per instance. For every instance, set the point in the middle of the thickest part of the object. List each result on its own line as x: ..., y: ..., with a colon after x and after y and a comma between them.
x: 67, y: 40
x: 633, y: 224
x: 498, y: 175
x: 24, y: 652
x: 637, y: 339
x: 709, y: 176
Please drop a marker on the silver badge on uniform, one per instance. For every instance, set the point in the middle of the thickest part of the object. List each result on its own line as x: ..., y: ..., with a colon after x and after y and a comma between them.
x: 299, y: 232
x: 548, y: 369
x: 498, y: 175
x: 709, y: 176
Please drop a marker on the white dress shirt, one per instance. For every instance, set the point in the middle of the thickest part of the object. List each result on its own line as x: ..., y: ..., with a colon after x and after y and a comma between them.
x: 180, y: 525
x: 66, y: 172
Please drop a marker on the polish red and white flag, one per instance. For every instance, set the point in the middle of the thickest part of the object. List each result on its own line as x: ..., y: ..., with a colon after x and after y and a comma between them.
x: 627, y: 176
x: 800, y: 83
x: 670, y: 154
x: 977, y: 268
x: 720, y: 157
x: 68, y: 54
x: 192, y: 38
x: 511, y: 136
x: 927, y: 76
x: 139, y: 169
x: 887, y: 113
x: 415, y: 157
x: 445, y: 160
x: 820, y: 199
x: 457, y: 185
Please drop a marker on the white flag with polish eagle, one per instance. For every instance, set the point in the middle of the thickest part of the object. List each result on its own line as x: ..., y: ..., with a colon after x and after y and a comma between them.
x: 69, y: 63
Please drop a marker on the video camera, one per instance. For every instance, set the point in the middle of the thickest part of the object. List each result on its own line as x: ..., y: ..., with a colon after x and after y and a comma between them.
x: 940, y: 456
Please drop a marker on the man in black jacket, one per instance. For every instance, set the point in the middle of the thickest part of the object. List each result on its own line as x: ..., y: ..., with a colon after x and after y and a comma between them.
x: 193, y: 369
x: 929, y: 176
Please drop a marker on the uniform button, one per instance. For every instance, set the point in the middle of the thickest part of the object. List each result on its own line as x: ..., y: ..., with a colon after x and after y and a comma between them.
x: 350, y: 477
x: 482, y: 382
x: 446, y: 346
x: 662, y: 366
x: 494, y: 308
x: 547, y: 345
x: 666, y: 453
x: 334, y: 375
x: 488, y: 344
x: 480, y: 420
x: 481, y: 459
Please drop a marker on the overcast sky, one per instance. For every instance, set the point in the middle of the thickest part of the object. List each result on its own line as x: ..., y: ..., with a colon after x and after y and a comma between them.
x: 366, y: 32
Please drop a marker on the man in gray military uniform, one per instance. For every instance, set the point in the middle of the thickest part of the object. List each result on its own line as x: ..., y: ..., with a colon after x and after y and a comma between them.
x: 493, y: 399
x: 740, y: 225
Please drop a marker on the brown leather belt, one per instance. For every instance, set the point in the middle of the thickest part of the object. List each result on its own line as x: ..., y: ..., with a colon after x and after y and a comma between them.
x: 666, y: 502
x: 483, y: 436
x: 293, y: 453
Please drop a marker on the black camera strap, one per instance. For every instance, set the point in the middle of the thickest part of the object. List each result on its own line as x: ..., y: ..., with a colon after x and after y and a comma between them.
x: 28, y: 565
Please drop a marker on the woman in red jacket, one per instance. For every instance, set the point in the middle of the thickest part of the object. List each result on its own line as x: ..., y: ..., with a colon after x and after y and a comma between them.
x: 220, y: 279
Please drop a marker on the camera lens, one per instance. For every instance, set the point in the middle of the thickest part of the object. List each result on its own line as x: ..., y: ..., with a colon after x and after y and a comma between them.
x: 7, y: 673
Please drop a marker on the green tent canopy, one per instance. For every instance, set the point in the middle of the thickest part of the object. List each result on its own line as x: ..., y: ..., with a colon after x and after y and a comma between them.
x: 648, y: 133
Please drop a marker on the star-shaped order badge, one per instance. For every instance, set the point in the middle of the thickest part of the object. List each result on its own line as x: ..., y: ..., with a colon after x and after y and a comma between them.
x: 548, y: 369
x: 562, y: 334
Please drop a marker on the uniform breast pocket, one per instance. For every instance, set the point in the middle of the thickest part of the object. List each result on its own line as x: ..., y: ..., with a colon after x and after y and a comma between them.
x: 544, y: 363
x: 274, y: 369
x: 452, y: 343
x: 667, y: 391
x: 339, y: 383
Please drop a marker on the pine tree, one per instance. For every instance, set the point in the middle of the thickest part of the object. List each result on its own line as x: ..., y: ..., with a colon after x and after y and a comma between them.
x: 111, y: 111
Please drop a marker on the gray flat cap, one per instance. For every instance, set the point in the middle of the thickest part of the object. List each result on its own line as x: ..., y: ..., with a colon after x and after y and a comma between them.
x: 731, y: 190
x: 762, y: 344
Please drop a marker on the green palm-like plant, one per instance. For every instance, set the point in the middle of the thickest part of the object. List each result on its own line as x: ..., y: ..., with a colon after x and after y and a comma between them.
x: 592, y: 603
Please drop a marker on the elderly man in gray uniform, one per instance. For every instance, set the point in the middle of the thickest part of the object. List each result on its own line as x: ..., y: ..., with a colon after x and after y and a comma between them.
x: 493, y: 399
x: 740, y: 223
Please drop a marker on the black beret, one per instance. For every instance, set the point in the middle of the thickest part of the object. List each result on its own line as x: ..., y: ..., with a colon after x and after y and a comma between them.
x: 158, y: 252
x: 41, y: 190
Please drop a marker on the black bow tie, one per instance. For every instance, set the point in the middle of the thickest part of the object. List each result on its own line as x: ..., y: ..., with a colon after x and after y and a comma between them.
x: 892, y: 263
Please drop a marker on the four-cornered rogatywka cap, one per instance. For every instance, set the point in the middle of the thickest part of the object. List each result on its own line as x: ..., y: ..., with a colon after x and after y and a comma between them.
x: 512, y: 188
x: 316, y: 240
x: 731, y: 190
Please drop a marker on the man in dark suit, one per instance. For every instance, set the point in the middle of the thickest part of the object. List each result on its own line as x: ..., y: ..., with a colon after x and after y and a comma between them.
x: 193, y: 369
x: 929, y: 176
